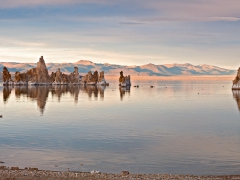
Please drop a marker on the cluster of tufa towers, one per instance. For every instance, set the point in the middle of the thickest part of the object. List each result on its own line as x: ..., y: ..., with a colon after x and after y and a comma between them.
x: 40, y: 76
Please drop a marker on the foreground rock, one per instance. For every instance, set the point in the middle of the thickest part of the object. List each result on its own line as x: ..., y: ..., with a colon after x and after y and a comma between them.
x: 35, y: 174
x: 236, y: 81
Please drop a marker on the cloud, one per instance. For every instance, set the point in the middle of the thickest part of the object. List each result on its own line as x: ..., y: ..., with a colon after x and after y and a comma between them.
x: 31, y: 3
x: 141, y: 11
x: 188, y: 10
x: 182, y: 19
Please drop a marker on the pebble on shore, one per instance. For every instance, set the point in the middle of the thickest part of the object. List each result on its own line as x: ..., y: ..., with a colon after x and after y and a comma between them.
x: 27, y: 174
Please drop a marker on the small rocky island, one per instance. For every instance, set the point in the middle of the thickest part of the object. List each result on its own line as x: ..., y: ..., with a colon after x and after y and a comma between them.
x: 236, y: 81
x: 40, y: 76
x: 124, y: 80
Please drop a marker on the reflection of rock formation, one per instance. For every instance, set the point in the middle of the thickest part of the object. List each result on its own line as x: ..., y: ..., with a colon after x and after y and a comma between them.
x: 58, y: 91
x: 123, y: 91
x: 236, y: 81
x: 94, y: 91
x: 124, y: 80
x: 236, y: 96
x: 6, y: 92
x: 38, y: 93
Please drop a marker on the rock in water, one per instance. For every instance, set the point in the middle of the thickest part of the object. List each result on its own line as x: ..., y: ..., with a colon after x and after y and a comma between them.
x: 121, y: 78
x: 236, y: 81
x: 20, y: 78
x: 42, y: 71
x: 73, y: 77
x: 101, y: 79
x: 90, y: 79
x: 58, y: 77
x: 6, y: 75
x: 124, y: 81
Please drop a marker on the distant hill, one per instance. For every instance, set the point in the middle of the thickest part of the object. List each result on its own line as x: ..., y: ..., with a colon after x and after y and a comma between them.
x: 112, y: 69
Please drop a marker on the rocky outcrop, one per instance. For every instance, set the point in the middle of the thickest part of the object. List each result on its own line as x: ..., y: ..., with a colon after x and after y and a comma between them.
x: 58, y: 77
x: 93, y: 79
x: 42, y: 72
x: 236, y: 81
x: 6, y: 76
x: 40, y: 76
x: 20, y: 78
x: 74, y: 76
x: 124, y: 80
x: 101, y: 79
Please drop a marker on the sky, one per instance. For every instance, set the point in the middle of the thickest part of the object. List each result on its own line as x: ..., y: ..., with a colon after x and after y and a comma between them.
x: 125, y: 32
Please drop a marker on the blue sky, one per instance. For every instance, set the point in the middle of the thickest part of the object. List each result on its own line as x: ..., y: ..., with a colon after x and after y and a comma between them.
x: 121, y: 32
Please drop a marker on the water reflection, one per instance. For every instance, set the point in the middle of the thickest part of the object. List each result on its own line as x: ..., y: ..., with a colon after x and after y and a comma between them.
x: 94, y: 91
x: 59, y: 91
x: 40, y: 93
x: 6, y: 93
x: 124, y: 91
x: 236, y: 96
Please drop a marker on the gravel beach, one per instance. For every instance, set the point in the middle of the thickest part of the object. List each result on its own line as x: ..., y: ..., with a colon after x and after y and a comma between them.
x: 34, y: 174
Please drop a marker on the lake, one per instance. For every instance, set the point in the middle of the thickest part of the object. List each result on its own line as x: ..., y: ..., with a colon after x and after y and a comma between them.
x: 177, y: 127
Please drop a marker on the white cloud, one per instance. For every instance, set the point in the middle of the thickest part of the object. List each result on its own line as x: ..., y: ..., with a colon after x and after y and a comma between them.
x: 32, y: 3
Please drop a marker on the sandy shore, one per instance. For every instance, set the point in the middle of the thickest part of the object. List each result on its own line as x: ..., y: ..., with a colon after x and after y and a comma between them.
x: 33, y: 174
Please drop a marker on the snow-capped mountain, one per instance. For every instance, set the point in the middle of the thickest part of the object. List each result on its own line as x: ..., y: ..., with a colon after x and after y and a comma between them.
x: 112, y: 69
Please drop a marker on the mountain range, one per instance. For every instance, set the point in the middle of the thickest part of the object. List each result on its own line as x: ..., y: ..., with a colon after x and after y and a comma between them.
x: 112, y: 69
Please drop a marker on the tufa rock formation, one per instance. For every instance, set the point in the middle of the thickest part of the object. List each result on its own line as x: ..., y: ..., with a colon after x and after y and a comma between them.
x: 101, y: 79
x: 42, y: 72
x: 236, y: 81
x: 124, y: 80
x: 94, y: 79
x: 6, y: 76
x: 40, y: 76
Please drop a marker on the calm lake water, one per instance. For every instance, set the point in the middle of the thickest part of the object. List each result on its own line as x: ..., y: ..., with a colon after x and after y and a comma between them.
x: 178, y: 127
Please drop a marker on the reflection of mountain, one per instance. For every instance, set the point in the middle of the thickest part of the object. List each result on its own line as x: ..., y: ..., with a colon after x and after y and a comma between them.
x: 40, y: 93
x: 123, y: 91
x: 236, y: 96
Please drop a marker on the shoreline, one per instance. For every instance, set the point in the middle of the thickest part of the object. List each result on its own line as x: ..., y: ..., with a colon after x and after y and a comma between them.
x: 35, y: 174
x: 176, y: 78
x: 170, y: 78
